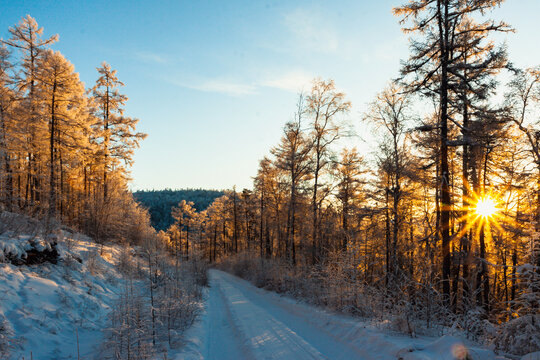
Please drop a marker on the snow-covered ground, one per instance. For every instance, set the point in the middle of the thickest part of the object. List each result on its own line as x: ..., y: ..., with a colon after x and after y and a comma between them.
x: 45, y: 306
x: 244, y: 322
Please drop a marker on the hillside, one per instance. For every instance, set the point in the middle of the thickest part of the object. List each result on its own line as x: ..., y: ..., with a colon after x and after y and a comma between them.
x: 160, y: 202
x: 46, y: 306
x: 64, y: 296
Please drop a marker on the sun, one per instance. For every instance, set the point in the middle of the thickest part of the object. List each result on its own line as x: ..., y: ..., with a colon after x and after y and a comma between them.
x: 486, y: 207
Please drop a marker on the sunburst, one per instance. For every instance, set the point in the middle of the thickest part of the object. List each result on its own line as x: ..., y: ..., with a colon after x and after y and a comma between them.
x: 486, y: 207
x: 482, y: 212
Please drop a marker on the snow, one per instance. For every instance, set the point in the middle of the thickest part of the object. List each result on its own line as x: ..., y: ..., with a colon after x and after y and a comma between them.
x: 15, y: 246
x: 532, y: 356
x: 44, y: 306
x: 243, y: 322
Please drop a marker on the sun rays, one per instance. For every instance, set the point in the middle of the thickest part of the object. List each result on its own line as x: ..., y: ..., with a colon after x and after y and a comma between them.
x: 481, y: 211
x: 486, y: 207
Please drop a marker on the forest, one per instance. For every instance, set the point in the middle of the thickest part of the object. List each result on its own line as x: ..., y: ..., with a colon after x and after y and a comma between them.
x: 434, y: 229
x: 65, y: 150
x: 160, y: 203
x: 440, y: 225
x: 70, y: 225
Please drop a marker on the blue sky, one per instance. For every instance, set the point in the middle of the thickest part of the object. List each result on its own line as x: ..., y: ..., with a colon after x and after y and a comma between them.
x: 213, y: 82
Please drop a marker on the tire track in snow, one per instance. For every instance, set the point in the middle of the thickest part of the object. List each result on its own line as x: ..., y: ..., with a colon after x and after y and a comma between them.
x: 258, y: 333
x: 315, y: 326
x: 222, y: 336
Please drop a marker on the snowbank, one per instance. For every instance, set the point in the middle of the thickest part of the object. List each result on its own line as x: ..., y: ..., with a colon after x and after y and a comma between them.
x: 44, y: 307
x: 194, y: 341
x: 241, y: 318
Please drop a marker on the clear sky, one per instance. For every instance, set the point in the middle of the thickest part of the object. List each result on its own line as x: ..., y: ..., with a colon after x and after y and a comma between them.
x: 213, y: 82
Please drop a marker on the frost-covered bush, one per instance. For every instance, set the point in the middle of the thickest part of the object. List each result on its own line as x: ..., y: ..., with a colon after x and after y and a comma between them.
x: 520, y: 336
x: 242, y: 266
x: 476, y: 324
x: 6, y: 337
x: 199, y: 271
x: 93, y: 262
x: 162, y: 298
x: 129, y: 336
x: 125, y: 263
x: 404, y: 324
x: 19, y: 224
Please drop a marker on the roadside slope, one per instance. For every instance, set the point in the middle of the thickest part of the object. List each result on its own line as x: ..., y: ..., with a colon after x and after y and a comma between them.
x: 242, y: 321
x: 43, y: 307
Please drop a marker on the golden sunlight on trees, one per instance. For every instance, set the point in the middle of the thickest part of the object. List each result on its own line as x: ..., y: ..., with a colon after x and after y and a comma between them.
x: 435, y: 228
x: 55, y: 139
x: 441, y: 225
x: 116, y: 138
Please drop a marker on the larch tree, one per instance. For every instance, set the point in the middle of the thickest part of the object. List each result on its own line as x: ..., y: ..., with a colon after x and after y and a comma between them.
x: 524, y: 101
x: 324, y: 104
x: 431, y: 70
x: 26, y: 37
x: 62, y: 94
x: 8, y: 136
x: 264, y: 182
x: 184, y: 215
x: 216, y: 223
x: 293, y: 156
x: 349, y: 172
x: 390, y: 112
x: 117, y: 132
x: 476, y: 63
x: 47, y: 143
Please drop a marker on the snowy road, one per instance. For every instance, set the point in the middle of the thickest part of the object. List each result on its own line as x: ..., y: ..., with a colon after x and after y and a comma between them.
x: 248, y: 324
x: 244, y: 322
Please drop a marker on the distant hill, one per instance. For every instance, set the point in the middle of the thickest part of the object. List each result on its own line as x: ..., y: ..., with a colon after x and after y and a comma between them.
x: 160, y: 202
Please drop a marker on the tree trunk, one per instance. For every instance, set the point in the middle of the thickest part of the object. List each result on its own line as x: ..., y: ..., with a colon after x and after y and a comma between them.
x: 52, y: 185
x: 261, y: 223
x: 235, y: 224
x: 314, y: 204
x: 444, y: 181
x: 387, y: 236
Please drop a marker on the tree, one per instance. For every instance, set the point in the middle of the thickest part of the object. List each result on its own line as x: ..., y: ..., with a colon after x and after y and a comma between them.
x: 184, y: 215
x: 432, y: 66
x: 476, y: 62
x: 324, y: 104
x: 62, y: 93
x: 293, y: 157
x: 8, y: 136
x: 263, y: 186
x: 216, y: 221
x: 117, y: 137
x: 524, y: 101
x: 389, y: 111
x: 349, y: 170
x: 26, y: 37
